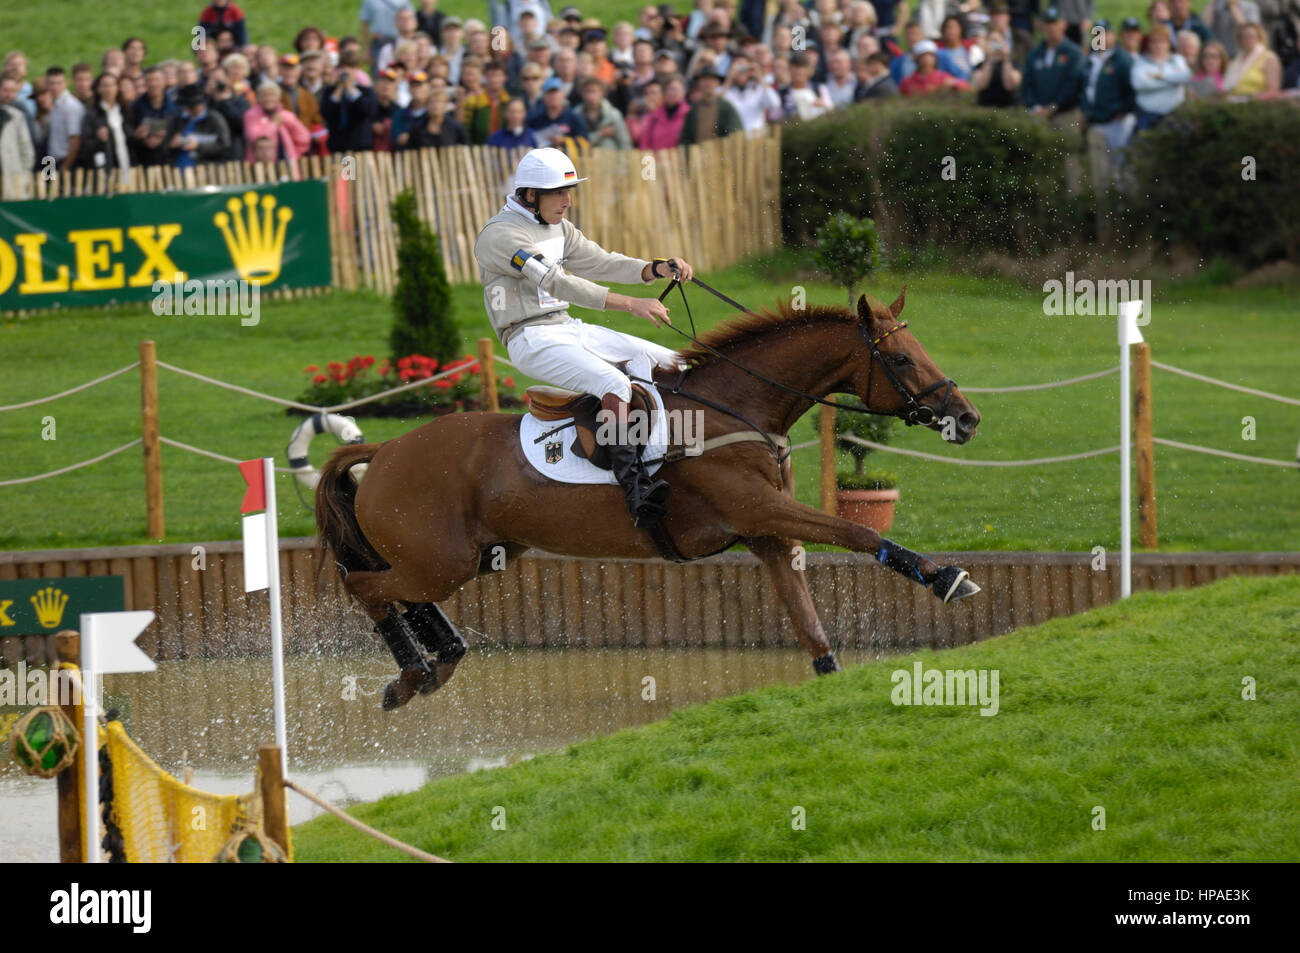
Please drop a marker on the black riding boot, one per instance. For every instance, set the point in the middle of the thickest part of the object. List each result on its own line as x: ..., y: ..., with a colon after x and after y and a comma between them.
x: 647, y: 498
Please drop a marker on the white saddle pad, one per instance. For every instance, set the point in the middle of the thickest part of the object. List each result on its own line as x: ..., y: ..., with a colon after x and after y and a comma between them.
x: 568, y: 467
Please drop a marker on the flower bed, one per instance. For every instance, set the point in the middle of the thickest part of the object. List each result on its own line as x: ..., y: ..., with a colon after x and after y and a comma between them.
x: 363, y: 376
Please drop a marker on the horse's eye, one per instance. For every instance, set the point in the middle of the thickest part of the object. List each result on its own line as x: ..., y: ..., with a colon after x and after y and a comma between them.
x: 901, y: 360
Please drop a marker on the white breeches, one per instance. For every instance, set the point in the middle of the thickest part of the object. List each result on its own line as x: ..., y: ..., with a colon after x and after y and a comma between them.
x: 581, y: 356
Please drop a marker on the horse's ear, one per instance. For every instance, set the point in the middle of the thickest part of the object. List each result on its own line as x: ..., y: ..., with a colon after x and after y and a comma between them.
x: 896, y: 308
x: 864, y: 309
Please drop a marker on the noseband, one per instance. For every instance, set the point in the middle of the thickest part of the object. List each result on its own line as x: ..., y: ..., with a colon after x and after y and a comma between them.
x: 911, y: 413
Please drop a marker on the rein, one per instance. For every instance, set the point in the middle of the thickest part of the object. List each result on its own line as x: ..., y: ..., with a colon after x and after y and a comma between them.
x: 911, y: 413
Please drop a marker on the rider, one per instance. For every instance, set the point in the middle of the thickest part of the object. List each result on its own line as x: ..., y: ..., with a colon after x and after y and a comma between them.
x: 534, y: 263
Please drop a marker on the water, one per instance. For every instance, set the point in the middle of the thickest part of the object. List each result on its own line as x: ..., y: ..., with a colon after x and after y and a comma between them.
x: 501, y: 707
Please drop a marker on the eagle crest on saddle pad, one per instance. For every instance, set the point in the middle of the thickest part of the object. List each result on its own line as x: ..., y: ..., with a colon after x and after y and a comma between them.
x: 554, y: 451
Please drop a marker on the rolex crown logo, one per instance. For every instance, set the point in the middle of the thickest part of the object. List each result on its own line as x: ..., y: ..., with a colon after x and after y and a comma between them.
x: 256, y: 246
x: 49, y: 603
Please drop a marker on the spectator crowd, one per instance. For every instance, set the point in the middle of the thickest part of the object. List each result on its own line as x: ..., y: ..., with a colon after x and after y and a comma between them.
x: 412, y: 77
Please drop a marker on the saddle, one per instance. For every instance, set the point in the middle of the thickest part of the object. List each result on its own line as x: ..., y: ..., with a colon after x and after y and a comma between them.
x: 548, y: 404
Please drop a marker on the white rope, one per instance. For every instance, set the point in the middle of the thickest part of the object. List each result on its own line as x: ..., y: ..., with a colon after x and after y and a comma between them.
x: 236, y: 388
x: 1047, y: 386
x: 1237, y: 387
x: 1289, y: 464
x: 75, y: 466
x: 311, y: 407
x: 958, y: 461
x: 45, y: 400
x: 806, y: 445
x: 208, y: 453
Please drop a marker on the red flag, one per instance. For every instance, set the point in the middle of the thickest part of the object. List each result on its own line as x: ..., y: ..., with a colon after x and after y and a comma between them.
x: 255, y: 495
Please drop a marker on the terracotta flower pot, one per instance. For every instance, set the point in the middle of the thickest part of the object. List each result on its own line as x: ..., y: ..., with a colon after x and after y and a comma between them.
x: 872, y: 508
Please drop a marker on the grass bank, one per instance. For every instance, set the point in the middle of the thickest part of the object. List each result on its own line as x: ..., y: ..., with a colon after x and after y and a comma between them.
x: 1136, y: 708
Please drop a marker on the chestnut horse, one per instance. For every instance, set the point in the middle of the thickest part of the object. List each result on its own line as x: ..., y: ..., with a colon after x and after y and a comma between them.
x: 437, y: 502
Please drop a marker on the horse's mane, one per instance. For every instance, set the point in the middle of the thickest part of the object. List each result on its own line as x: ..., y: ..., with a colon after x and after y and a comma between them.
x: 739, y: 331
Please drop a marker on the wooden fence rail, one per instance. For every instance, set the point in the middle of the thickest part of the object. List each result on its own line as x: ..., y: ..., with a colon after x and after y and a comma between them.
x: 715, y: 204
x: 541, y: 600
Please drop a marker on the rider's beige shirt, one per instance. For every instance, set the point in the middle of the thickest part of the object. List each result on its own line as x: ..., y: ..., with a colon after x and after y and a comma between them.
x: 541, y: 290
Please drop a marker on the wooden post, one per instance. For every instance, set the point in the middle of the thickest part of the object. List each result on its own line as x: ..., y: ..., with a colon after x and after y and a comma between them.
x: 827, y: 421
x: 71, y: 850
x: 488, y: 376
x: 153, y: 487
x: 1143, y: 446
x: 270, y: 781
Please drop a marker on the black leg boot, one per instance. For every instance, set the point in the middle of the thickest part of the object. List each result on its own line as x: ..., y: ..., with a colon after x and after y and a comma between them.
x: 435, y: 632
x: 647, y: 498
x: 417, y: 675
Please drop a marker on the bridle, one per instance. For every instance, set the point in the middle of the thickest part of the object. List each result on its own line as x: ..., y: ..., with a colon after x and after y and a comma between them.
x: 911, y: 413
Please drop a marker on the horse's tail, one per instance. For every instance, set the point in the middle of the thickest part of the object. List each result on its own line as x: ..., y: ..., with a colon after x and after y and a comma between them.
x: 339, y: 534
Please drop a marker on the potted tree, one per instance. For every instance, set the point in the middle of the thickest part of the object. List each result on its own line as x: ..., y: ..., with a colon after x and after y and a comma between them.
x: 865, y: 496
x: 848, y: 251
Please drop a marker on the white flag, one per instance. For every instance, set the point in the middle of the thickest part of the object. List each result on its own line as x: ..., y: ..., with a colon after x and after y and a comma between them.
x: 256, y: 575
x: 111, y: 641
x: 1129, y: 332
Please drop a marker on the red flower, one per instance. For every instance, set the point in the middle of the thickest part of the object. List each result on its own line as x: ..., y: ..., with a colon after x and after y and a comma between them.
x: 455, y: 378
x: 442, y: 385
x: 404, y: 362
x: 335, y: 366
x: 508, y: 381
x: 406, y: 374
x: 319, y: 379
x: 368, y: 361
x: 310, y: 369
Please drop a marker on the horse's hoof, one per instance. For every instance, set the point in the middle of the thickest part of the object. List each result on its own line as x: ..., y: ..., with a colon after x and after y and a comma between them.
x: 826, y: 664
x: 952, y: 584
x: 429, y: 683
x: 402, y: 689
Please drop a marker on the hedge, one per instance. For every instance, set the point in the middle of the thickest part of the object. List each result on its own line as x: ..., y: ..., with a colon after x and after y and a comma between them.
x: 1010, y: 192
x: 1223, y: 178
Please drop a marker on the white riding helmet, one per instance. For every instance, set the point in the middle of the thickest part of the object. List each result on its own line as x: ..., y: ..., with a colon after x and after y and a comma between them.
x: 546, y: 169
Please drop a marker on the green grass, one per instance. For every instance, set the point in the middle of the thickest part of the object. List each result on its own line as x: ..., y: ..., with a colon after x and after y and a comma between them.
x: 1136, y: 708
x: 981, y: 331
x: 165, y: 26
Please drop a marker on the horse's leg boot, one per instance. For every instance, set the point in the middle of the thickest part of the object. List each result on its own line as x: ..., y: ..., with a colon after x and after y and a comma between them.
x: 952, y: 584
x: 825, y: 664
x: 435, y: 632
x: 647, y: 498
x: 417, y: 675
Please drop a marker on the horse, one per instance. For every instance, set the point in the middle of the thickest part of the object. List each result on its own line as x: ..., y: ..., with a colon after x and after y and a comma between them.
x: 438, y: 502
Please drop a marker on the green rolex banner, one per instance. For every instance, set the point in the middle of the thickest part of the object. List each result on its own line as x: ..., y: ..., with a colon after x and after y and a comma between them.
x: 97, y: 250
x: 42, y: 606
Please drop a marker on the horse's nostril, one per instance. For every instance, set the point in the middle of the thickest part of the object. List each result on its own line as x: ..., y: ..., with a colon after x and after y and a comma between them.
x: 968, y: 421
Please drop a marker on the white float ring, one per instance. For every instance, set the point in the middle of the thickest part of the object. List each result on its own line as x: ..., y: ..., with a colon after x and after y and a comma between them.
x: 344, y: 429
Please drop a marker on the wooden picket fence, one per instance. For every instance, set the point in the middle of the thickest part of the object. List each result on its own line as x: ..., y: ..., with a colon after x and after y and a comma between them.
x: 714, y: 204
x: 545, y: 601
